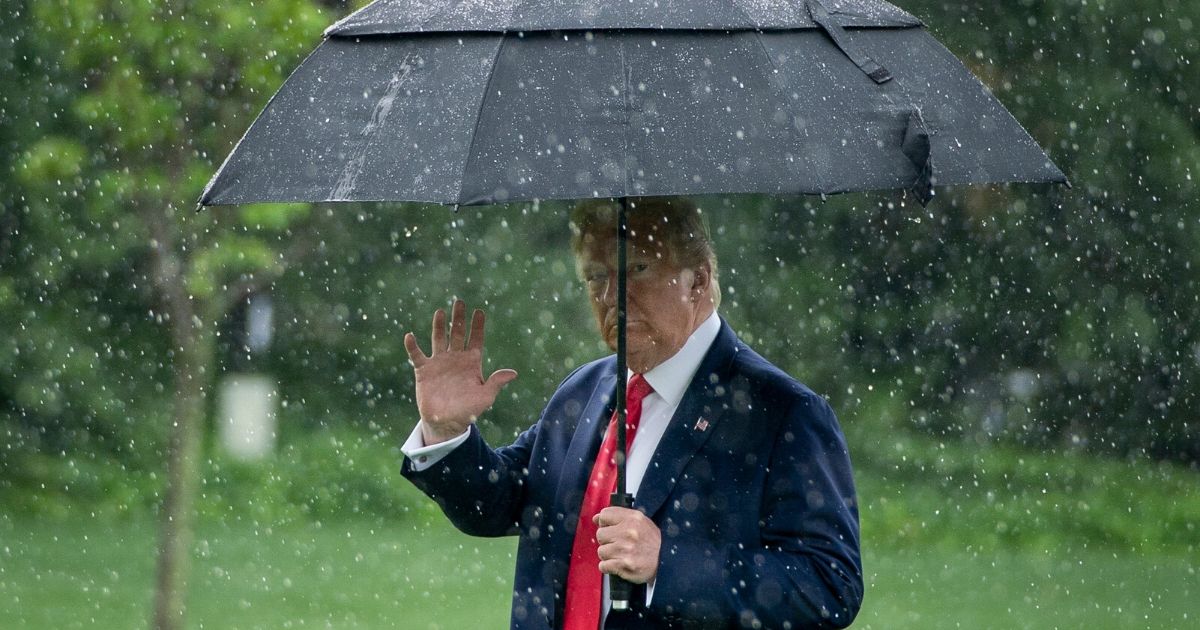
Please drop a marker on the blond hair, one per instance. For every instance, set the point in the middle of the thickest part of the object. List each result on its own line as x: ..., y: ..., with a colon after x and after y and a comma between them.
x: 681, y: 224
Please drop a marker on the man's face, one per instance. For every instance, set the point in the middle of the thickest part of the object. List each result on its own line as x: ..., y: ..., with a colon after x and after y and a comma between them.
x: 662, y: 305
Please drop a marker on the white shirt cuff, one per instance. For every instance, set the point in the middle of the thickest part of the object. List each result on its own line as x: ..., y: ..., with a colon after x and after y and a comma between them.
x: 421, y: 456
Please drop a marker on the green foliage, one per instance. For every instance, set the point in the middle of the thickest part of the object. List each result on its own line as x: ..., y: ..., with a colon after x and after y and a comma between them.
x: 382, y: 271
x: 112, y: 119
x: 920, y: 492
x: 323, y: 475
x: 1093, y: 290
x: 67, y: 487
x: 333, y: 474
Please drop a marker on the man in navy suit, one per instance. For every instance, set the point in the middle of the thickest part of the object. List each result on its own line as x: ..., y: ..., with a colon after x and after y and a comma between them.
x: 744, y: 513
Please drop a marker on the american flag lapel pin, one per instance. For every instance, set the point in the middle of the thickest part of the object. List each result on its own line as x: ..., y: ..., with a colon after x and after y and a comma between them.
x: 701, y: 425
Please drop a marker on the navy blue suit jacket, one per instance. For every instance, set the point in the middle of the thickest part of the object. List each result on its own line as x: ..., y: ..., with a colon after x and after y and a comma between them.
x: 757, y: 511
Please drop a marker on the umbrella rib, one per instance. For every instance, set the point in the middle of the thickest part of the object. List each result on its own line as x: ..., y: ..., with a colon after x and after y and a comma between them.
x: 487, y: 88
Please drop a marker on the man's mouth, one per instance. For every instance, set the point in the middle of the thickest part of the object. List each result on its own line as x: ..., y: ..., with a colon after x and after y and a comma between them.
x: 612, y: 324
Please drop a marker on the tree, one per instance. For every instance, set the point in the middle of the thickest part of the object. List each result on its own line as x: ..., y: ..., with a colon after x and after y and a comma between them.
x: 139, y: 101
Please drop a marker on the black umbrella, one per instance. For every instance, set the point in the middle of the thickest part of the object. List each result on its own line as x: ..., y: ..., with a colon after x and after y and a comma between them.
x: 488, y: 101
x: 485, y: 102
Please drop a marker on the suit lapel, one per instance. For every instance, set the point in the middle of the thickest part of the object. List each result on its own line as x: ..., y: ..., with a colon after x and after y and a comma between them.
x: 585, y: 443
x: 576, y: 468
x: 695, y: 421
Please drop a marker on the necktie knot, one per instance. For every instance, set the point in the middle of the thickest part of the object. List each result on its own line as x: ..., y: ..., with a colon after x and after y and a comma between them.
x: 637, y: 389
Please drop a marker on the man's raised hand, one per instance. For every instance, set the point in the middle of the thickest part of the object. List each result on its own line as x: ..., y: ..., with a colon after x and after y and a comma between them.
x: 451, y: 392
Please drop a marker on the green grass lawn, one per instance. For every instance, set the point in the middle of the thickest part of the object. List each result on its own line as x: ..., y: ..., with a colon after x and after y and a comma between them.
x: 349, y: 575
x: 368, y: 573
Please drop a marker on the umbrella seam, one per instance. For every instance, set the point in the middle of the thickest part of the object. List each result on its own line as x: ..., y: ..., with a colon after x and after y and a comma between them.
x: 206, y: 194
x: 940, y: 49
x: 822, y: 182
x: 462, y: 178
x: 738, y: 5
x: 766, y: 53
x: 625, y: 121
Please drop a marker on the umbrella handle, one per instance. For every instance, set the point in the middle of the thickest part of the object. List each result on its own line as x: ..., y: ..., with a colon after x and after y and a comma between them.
x: 620, y: 590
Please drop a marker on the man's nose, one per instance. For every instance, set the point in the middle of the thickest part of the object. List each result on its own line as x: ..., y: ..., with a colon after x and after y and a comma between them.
x: 609, y: 295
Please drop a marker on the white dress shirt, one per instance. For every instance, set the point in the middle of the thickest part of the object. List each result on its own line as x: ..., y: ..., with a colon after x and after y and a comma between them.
x: 669, y: 380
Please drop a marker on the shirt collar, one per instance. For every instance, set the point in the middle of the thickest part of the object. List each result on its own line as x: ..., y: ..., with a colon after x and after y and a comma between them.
x: 671, y: 377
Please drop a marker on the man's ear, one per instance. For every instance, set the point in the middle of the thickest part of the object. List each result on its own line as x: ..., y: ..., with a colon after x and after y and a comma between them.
x: 701, y: 280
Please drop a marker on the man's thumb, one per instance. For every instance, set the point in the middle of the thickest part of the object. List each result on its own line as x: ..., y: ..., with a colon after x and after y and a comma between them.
x: 500, y: 378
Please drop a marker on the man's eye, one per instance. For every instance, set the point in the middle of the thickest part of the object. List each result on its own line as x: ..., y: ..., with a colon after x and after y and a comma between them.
x: 639, y: 267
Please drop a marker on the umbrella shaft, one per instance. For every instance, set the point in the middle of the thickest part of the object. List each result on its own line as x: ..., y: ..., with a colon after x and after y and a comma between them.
x: 622, y: 379
x: 620, y: 591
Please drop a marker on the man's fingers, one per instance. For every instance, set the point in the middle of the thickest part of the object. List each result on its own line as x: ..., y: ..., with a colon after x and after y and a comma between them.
x: 415, y: 355
x: 500, y: 378
x: 612, y: 515
x: 439, y: 332
x: 617, y: 534
x: 476, y: 340
x: 458, y: 325
x: 608, y: 551
x: 620, y: 567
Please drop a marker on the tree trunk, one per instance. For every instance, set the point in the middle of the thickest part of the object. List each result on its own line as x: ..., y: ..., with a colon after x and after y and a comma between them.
x: 193, y: 356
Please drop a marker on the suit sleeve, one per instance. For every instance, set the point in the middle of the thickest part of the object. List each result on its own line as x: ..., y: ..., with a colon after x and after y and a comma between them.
x: 806, y: 571
x: 480, y: 489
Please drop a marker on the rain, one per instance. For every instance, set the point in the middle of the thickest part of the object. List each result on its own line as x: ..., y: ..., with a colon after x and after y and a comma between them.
x: 962, y: 237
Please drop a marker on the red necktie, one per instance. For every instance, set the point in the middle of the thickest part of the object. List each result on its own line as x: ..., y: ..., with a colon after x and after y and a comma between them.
x: 584, y: 580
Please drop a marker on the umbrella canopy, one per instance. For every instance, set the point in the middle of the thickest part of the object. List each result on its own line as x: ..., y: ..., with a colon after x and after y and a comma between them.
x: 478, y: 102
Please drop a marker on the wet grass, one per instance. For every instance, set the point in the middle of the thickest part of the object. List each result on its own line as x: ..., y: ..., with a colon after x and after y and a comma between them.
x: 421, y: 574
x: 353, y: 574
x: 1026, y: 589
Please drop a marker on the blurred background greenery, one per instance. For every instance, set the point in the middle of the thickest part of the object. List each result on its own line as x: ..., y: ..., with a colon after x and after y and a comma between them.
x: 1015, y: 368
